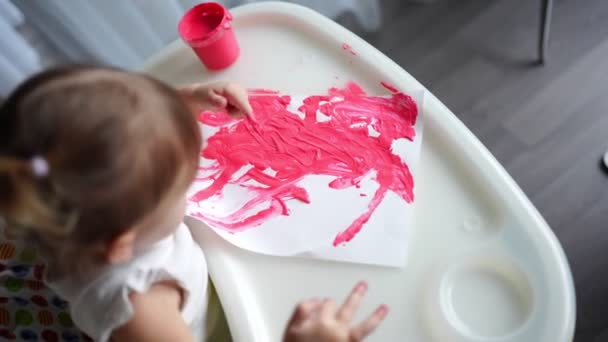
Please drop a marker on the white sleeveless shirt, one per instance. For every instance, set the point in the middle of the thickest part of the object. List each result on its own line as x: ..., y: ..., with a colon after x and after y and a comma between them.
x: 99, y: 302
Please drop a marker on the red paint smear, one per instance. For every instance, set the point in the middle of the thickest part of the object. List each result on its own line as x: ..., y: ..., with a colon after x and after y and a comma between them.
x: 295, y: 148
x: 389, y: 87
x: 347, y: 47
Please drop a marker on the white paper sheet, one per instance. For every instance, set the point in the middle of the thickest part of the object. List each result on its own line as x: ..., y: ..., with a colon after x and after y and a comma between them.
x: 309, y: 229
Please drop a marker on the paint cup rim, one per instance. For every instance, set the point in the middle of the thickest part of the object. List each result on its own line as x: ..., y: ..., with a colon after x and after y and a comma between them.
x: 199, y: 9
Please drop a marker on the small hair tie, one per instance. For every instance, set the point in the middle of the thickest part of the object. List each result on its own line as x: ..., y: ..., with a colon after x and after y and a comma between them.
x: 39, y: 166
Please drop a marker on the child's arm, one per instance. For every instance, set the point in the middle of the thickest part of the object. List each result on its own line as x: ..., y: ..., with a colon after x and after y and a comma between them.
x: 157, y: 317
x: 219, y: 95
x: 321, y: 321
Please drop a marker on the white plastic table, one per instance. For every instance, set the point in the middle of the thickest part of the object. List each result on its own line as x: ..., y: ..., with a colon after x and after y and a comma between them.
x: 482, y: 265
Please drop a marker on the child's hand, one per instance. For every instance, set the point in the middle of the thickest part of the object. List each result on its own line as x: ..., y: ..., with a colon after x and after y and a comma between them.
x: 220, y: 95
x: 320, y: 321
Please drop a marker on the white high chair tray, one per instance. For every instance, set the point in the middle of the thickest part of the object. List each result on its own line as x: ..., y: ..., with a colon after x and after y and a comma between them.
x: 482, y: 265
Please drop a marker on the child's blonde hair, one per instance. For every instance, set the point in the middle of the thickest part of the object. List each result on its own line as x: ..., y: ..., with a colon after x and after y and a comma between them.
x: 116, y: 144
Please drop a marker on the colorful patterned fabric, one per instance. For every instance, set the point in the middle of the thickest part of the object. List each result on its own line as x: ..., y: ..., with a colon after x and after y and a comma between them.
x: 29, y: 311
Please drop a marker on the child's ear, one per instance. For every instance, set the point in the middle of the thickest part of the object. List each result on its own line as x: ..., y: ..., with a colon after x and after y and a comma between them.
x: 120, y: 249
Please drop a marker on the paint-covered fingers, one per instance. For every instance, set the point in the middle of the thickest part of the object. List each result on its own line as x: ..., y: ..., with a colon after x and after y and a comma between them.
x: 349, y: 308
x: 370, y: 324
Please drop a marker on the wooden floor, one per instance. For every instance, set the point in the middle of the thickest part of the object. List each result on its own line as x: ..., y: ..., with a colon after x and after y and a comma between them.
x: 547, y: 125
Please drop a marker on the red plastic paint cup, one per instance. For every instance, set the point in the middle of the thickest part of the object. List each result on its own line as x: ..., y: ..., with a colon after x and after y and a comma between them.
x: 207, y: 29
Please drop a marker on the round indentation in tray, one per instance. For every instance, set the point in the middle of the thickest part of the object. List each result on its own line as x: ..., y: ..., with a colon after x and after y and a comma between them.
x: 486, y: 298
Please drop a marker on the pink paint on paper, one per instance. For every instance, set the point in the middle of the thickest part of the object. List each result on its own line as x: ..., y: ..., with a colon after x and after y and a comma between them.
x: 296, y: 147
x: 389, y: 87
x: 347, y: 47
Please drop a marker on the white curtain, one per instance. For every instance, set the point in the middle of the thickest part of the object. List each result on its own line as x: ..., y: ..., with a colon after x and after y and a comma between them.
x: 117, y: 32
x: 17, y: 58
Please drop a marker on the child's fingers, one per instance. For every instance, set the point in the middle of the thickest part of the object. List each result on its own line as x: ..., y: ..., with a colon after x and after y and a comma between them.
x: 350, y: 306
x: 303, y: 310
x: 235, y: 112
x: 366, y: 327
x: 237, y: 96
x: 328, y: 309
x: 218, y: 100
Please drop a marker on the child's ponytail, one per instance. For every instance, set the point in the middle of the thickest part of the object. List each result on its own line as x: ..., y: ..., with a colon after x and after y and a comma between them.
x: 26, y: 202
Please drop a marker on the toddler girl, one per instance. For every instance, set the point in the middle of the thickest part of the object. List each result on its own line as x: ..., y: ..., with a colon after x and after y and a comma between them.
x: 94, y: 168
